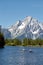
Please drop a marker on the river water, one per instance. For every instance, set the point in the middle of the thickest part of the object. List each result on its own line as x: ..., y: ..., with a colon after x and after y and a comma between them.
x: 19, y: 55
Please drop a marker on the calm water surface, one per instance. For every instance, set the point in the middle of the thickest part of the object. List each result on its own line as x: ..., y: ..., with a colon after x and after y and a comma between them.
x: 15, y: 55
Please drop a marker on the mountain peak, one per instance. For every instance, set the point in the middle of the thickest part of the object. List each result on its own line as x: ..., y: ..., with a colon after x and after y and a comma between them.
x: 28, y: 18
x: 29, y: 27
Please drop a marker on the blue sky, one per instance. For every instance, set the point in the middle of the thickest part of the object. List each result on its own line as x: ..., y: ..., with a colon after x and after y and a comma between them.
x: 14, y: 10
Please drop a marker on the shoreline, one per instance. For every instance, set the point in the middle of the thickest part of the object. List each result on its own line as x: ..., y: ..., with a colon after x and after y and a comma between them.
x: 26, y: 45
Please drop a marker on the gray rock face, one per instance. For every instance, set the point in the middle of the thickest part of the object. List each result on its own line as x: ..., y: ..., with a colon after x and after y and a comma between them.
x: 29, y: 27
x: 6, y: 33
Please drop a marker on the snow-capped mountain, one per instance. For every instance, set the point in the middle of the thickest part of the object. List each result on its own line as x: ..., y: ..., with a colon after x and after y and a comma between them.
x: 29, y: 27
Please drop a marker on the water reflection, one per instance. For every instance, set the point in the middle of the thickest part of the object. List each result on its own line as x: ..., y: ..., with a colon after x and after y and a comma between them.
x: 17, y: 56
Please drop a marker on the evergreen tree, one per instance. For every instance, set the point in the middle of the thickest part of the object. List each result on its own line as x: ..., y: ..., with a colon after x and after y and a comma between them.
x: 16, y: 42
x: 2, y: 41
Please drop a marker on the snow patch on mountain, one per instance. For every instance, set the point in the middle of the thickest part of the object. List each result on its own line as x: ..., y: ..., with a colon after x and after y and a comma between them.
x: 29, y: 27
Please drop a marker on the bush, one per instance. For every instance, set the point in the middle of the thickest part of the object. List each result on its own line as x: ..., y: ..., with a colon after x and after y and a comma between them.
x: 2, y: 41
x: 13, y: 42
x: 17, y: 42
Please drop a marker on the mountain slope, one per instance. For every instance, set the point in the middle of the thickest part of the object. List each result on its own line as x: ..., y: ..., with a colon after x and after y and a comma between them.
x: 29, y: 27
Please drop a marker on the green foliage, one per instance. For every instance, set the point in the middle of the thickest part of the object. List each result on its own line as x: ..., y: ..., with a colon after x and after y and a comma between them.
x: 2, y: 41
x: 24, y: 42
x: 13, y: 42
x: 16, y: 42
x: 35, y: 42
x: 8, y: 41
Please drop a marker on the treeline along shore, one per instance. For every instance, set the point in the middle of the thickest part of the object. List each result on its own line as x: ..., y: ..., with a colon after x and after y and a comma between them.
x: 18, y: 42
x: 24, y: 42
